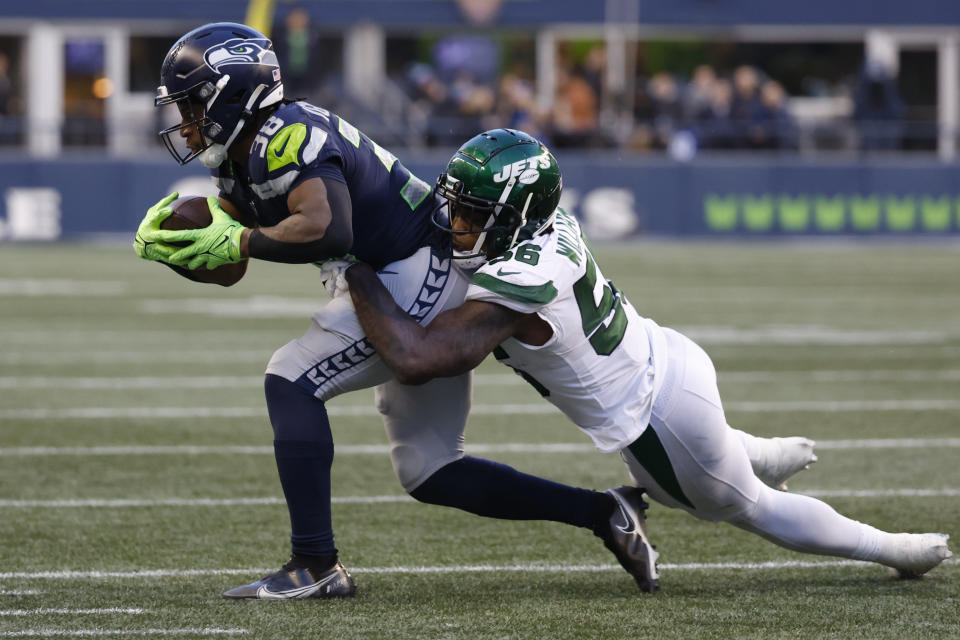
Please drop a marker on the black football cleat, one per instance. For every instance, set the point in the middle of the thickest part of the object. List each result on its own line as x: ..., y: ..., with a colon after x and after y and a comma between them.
x: 295, y: 582
x: 627, y: 538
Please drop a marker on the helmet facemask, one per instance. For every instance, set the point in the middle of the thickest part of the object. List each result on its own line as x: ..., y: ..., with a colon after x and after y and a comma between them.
x: 501, y: 187
x: 211, y: 153
x: 496, y: 224
x: 187, y: 103
x: 228, y: 69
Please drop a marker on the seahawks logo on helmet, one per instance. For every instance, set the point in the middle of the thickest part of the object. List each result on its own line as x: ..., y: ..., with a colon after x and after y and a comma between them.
x: 240, y: 51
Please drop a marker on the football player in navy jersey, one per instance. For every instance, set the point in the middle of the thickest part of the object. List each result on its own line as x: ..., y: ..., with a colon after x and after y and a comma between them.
x: 299, y: 184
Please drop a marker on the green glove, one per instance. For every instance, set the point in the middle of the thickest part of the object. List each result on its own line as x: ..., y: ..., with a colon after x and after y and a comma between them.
x: 215, y: 245
x: 146, y: 244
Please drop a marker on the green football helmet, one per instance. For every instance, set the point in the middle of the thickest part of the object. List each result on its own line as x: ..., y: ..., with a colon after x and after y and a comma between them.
x: 507, y: 183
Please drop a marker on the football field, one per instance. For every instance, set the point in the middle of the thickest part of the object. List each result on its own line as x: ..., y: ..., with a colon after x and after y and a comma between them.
x: 137, y: 479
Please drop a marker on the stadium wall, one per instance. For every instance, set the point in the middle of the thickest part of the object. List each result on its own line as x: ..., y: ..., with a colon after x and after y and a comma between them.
x: 614, y: 196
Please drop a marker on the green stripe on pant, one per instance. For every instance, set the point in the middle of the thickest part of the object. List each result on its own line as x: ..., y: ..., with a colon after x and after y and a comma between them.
x: 649, y: 452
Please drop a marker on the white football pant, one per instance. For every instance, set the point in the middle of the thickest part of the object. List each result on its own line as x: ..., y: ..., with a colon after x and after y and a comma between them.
x: 425, y: 423
x: 707, y: 472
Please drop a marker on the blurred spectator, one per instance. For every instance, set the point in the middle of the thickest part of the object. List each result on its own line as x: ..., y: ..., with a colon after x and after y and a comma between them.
x: 878, y: 109
x: 295, y: 42
x: 715, y: 123
x: 448, y: 112
x: 425, y: 89
x: 517, y: 108
x: 667, y: 108
x: 5, y: 85
x: 698, y: 94
x: 474, y: 101
x: 770, y: 126
x: 475, y: 54
x: 746, y: 102
x: 575, y: 112
x: 433, y: 108
x: 9, y: 107
x: 594, y: 68
x: 707, y: 111
x: 428, y: 96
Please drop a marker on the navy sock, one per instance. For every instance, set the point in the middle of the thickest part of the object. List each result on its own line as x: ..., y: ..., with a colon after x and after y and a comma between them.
x: 495, y: 490
x: 303, y: 447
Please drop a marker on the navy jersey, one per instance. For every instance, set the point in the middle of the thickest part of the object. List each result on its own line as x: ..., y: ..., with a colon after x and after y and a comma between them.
x: 391, y: 206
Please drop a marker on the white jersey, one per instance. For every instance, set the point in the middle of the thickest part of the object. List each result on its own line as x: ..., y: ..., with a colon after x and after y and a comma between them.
x: 600, y: 365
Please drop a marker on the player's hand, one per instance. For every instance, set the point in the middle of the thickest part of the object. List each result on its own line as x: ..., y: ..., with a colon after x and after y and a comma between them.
x: 146, y: 243
x: 215, y: 245
x: 331, y: 275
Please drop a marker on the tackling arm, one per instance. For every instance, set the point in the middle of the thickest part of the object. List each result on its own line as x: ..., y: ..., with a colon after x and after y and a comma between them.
x: 454, y: 343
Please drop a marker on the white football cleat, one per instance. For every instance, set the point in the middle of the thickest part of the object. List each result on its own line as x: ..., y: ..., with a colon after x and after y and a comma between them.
x: 914, y: 554
x: 786, y: 457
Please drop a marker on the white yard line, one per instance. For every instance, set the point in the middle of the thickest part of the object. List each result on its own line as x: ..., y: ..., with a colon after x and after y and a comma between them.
x: 190, y: 382
x: 808, y: 335
x: 139, y: 337
x: 111, y: 413
x: 123, y: 503
x: 20, y: 592
x: 127, y: 382
x: 68, y: 612
x: 881, y: 493
x: 190, y: 356
x: 888, y: 443
x: 844, y: 375
x: 274, y: 306
x: 382, y: 449
x: 480, y: 380
x: 189, y: 502
x: 86, y: 633
x: 930, y: 404
x: 13, y: 355
x: 251, y: 307
x: 482, y: 568
x: 35, y: 287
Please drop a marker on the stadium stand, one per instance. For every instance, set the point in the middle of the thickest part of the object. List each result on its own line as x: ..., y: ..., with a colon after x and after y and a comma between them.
x: 775, y: 96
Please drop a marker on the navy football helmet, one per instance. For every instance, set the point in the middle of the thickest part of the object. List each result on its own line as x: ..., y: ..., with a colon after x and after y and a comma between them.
x: 229, y: 69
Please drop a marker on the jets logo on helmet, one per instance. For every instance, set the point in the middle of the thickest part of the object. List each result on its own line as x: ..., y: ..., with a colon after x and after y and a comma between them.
x: 524, y: 170
x: 507, y: 183
x: 240, y: 51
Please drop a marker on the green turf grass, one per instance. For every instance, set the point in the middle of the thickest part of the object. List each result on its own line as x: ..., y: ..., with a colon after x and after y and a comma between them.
x: 784, y: 323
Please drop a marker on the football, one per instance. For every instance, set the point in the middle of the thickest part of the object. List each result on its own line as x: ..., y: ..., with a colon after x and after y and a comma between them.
x: 191, y: 212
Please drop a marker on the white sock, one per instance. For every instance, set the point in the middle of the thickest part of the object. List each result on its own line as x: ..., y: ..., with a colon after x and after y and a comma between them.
x: 756, y: 448
x: 805, y: 524
x: 774, y: 460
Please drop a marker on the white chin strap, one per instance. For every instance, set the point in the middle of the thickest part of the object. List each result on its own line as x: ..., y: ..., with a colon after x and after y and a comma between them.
x: 215, y: 154
x: 469, y: 261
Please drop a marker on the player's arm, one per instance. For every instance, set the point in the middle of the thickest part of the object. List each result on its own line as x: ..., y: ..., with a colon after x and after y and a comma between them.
x: 319, y: 226
x: 455, y: 342
x: 234, y: 212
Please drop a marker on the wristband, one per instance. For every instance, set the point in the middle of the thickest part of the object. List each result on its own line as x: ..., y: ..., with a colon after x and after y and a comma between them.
x: 263, y: 247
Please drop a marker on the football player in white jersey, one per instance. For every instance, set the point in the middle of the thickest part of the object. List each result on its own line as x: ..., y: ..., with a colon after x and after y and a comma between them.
x: 538, y: 301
